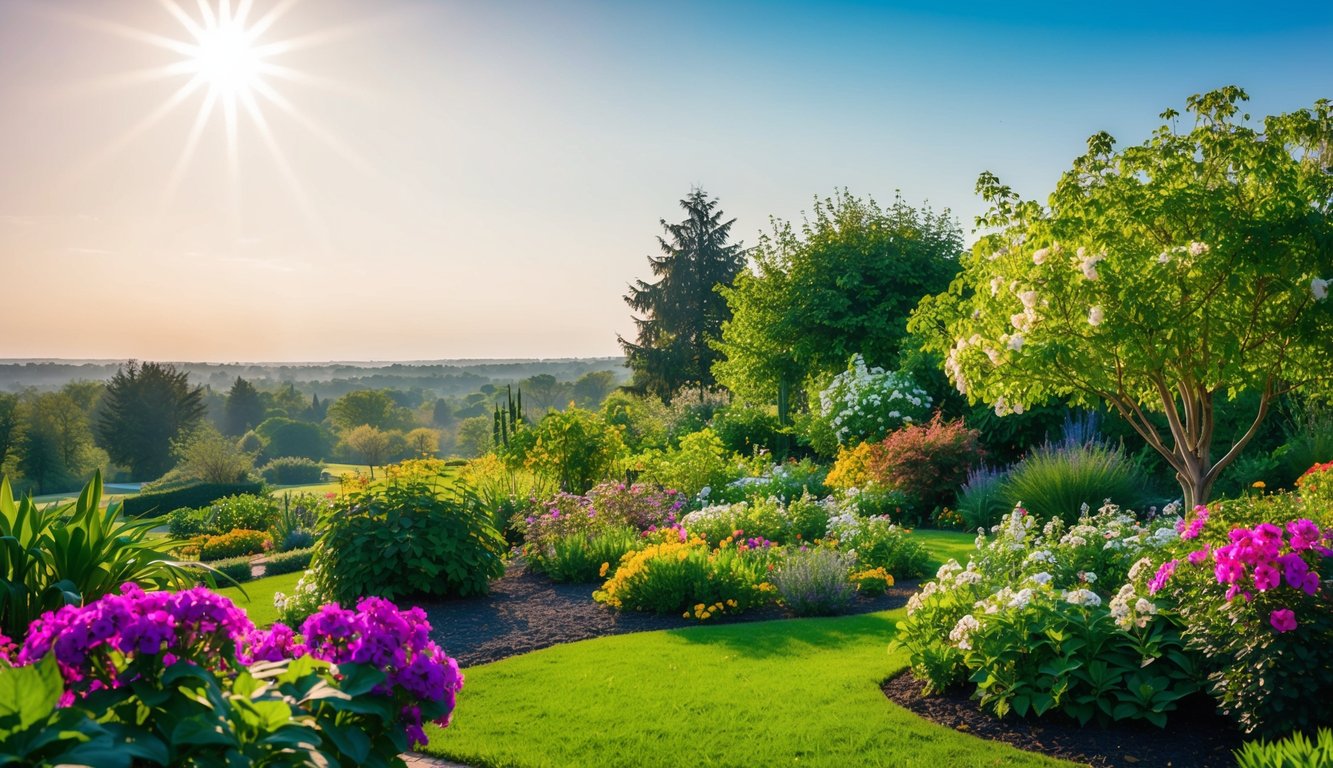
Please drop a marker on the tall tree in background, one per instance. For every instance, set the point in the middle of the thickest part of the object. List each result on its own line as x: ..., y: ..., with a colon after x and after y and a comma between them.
x: 843, y: 283
x: 244, y: 409
x: 145, y: 407
x: 9, y: 425
x: 682, y: 312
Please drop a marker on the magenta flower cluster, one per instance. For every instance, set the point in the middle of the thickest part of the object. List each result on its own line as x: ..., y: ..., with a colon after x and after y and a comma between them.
x: 1190, y: 528
x: 123, y: 637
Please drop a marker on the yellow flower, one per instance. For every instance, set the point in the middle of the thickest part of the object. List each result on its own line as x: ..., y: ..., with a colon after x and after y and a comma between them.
x: 731, y: 603
x: 704, y: 615
x: 699, y: 608
x: 685, y: 615
x: 1258, y: 484
x: 602, y: 571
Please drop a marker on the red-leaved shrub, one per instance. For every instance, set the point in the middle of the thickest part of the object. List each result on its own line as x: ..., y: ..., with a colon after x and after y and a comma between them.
x: 928, y: 463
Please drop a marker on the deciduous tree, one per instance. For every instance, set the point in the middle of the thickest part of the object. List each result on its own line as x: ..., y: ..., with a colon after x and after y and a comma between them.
x: 1161, y: 279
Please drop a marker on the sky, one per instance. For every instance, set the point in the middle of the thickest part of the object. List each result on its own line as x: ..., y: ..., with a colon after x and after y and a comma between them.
x: 429, y: 180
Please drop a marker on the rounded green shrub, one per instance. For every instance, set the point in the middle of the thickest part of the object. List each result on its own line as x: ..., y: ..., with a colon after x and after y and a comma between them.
x: 233, y: 544
x: 413, y: 534
x: 244, y: 510
x: 1056, y: 481
x: 292, y: 470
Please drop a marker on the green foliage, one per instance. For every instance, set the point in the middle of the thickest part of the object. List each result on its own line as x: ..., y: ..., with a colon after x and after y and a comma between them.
x: 186, y: 523
x: 288, y: 562
x: 586, y: 557
x: 292, y: 470
x: 783, y: 481
x: 1162, y: 278
x: 699, y: 462
x: 35, y: 731
x: 576, y: 448
x: 244, y: 410
x: 682, y: 312
x: 505, y: 492
x: 408, y: 535
x: 196, y: 496
x: 1294, y: 751
x: 879, y: 543
x: 687, y: 576
x: 208, y: 456
x: 289, y: 437
x: 371, y: 407
x: 841, y: 286
x: 145, y: 407
x: 749, y: 430
x: 981, y: 501
x: 803, y: 520
x: 237, y: 569
x: 642, y: 421
x: 815, y: 582
x: 368, y: 445
x: 70, y: 554
x: 244, y: 510
x: 1062, y: 480
x: 233, y: 543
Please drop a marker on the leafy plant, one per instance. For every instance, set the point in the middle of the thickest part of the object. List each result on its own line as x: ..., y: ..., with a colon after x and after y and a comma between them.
x: 879, y: 543
x: 927, y: 462
x: 245, y: 510
x: 1059, y: 480
x: 699, y: 462
x: 234, y: 544
x: 185, y: 523
x: 292, y: 470
x: 982, y: 501
x: 237, y: 569
x: 576, y: 448
x: 686, y: 575
x: 586, y: 557
x: 288, y: 562
x: 1294, y: 751
x: 71, y: 553
x: 411, y: 534
x: 865, y: 404
x: 815, y: 582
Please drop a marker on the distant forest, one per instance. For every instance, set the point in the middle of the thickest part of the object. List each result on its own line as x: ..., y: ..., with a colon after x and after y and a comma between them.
x: 441, y: 378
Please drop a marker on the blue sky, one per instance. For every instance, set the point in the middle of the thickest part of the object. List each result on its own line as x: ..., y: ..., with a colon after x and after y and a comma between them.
x: 483, y: 179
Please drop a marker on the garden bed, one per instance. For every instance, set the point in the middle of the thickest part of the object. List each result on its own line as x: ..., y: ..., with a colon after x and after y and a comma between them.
x: 526, y: 612
x: 1195, y: 736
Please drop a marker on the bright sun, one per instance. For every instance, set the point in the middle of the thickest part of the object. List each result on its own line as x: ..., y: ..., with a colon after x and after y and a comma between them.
x: 226, y: 58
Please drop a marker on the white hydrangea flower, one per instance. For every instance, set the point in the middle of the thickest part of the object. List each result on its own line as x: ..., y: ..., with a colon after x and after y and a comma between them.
x: 1039, y: 256
x: 1095, y: 316
x: 1319, y: 289
x: 1082, y: 597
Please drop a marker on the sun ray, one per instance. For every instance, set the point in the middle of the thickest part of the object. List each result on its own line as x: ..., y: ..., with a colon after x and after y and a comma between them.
x: 149, y: 121
x: 191, y: 26
x: 191, y: 141
x: 331, y: 141
x: 264, y: 22
x: 289, y: 176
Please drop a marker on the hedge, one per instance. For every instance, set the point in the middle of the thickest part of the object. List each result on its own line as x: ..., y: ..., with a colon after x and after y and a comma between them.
x: 194, y: 496
x: 288, y: 562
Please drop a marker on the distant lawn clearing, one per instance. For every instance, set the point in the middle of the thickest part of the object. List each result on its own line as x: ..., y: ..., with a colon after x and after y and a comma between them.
x: 797, y: 692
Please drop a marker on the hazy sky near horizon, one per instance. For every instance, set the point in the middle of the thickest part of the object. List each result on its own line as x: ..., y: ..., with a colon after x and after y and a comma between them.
x: 482, y: 179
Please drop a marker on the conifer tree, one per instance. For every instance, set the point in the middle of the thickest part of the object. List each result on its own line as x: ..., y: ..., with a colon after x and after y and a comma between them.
x: 682, y: 312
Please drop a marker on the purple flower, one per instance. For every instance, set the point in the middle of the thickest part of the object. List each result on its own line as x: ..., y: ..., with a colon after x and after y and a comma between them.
x: 1304, y: 534
x: 1283, y: 619
x: 1266, y: 577
x: 1163, y: 574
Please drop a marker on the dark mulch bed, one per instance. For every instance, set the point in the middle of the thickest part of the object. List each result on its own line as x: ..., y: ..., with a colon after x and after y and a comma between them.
x: 526, y: 611
x: 1195, y: 736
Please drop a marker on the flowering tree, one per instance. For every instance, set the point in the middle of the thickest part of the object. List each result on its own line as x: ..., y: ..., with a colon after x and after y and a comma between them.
x: 1159, y: 279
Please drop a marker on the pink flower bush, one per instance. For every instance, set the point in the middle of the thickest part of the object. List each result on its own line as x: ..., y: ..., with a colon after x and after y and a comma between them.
x: 135, y: 635
x: 1283, y: 619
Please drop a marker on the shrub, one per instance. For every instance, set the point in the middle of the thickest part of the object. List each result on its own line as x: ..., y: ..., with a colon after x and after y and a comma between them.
x: 872, y: 582
x: 288, y: 562
x: 576, y: 448
x: 1316, y: 485
x: 1060, y: 480
x: 410, y: 534
x: 747, y: 431
x: 72, y: 553
x: 784, y: 481
x: 194, y: 496
x: 246, y: 510
x: 1294, y: 751
x: 642, y: 420
x: 1251, y: 601
x: 864, y: 404
x: 299, y: 538
x: 585, y: 557
x: 292, y: 470
x: 295, y: 521
x: 174, y: 660
x: 851, y: 469
x: 879, y: 543
x: 505, y: 492
x: 1032, y: 621
x: 927, y: 462
x: 815, y: 582
x: 804, y: 519
x: 688, y: 577
x: 186, y: 523
x: 305, y: 599
x: 233, y: 544
x: 982, y: 501
x: 641, y: 506
x: 699, y: 462
x: 237, y: 569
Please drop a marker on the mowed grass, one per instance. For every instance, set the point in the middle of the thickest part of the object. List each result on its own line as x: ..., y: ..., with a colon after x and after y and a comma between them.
x: 801, y: 692
x: 257, y: 600
x: 946, y: 545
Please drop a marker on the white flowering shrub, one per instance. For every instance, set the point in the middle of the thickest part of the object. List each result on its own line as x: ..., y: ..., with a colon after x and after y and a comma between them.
x: 1037, y: 605
x: 864, y: 404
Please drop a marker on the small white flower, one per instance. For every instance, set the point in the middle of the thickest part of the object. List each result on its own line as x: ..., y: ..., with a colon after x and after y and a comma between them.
x: 1319, y: 289
x: 1016, y: 342
x: 1095, y: 316
x: 1197, y: 249
x: 1163, y: 257
x: 1039, y: 256
x: 1042, y: 578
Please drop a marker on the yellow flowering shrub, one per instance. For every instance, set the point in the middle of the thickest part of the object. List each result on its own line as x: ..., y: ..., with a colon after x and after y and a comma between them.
x: 688, y: 577
x: 872, y: 581
x: 852, y: 467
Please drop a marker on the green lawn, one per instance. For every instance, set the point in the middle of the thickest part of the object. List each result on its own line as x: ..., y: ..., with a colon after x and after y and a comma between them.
x: 259, y: 603
x: 796, y: 692
x: 943, y: 545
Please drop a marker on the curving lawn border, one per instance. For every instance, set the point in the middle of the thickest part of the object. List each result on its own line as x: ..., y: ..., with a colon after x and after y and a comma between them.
x: 796, y: 692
